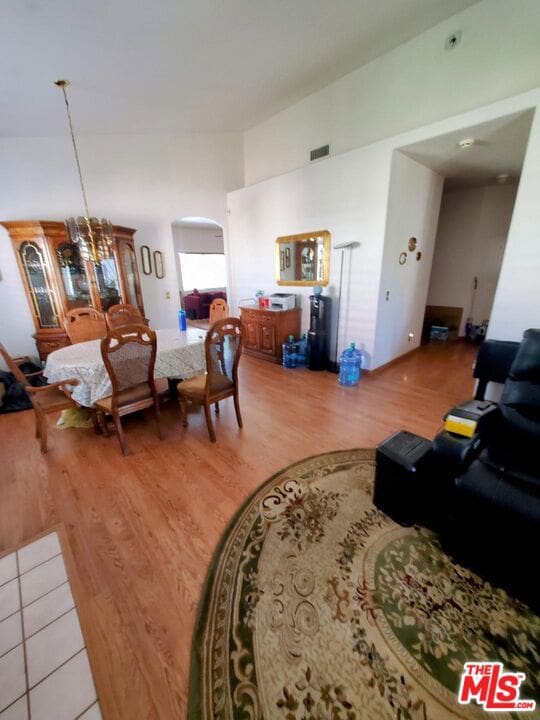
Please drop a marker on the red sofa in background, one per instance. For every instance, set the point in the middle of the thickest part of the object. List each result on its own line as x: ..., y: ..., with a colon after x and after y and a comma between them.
x: 197, y: 304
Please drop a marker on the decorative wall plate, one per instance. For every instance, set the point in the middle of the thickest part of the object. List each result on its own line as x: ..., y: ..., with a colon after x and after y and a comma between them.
x: 403, y: 258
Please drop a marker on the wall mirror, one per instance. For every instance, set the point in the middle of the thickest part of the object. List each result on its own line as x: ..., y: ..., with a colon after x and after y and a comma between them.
x: 146, y: 260
x: 158, y: 264
x: 303, y: 259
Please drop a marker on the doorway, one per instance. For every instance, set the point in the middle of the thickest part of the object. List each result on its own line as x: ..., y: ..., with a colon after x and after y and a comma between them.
x: 200, y: 265
x: 481, y: 166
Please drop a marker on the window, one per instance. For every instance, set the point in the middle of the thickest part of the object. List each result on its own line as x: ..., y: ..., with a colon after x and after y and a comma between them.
x: 202, y: 270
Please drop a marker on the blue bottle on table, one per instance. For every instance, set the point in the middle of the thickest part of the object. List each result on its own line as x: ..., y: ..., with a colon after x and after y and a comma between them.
x: 182, y: 322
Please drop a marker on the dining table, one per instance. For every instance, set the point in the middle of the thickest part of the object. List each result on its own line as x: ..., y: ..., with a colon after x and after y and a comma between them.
x: 179, y: 354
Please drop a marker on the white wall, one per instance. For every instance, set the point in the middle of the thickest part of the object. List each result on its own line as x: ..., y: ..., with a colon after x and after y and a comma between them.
x: 142, y: 181
x: 195, y: 240
x: 414, y: 200
x: 471, y: 238
x: 348, y: 195
x: 517, y: 299
x: 417, y: 83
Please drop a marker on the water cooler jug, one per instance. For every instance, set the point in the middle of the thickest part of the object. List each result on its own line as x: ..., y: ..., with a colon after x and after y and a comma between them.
x: 319, y: 329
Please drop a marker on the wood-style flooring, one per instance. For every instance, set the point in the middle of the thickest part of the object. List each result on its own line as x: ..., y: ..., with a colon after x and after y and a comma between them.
x: 143, y: 528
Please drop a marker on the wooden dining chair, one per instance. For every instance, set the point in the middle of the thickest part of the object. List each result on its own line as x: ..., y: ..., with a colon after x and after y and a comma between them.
x: 129, y: 354
x: 83, y: 324
x: 123, y: 314
x: 45, y: 399
x: 223, y: 348
x: 218, y: 310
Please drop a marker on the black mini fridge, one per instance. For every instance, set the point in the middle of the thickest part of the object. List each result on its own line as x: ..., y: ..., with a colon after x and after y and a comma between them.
x: 319, y: 330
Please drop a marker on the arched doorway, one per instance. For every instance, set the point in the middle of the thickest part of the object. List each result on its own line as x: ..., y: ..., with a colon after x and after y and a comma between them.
x: 200, y: 265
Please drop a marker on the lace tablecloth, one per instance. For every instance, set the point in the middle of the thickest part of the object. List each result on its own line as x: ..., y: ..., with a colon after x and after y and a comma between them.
x: 179, y: 355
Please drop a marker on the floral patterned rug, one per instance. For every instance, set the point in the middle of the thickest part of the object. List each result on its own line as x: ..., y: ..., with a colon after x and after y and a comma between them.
x: 318, y: 606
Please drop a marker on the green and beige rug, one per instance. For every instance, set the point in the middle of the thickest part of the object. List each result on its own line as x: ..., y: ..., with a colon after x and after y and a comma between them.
x: 318, y: 606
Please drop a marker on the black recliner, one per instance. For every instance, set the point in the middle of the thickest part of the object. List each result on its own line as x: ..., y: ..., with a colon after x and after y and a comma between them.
x: 495, y: 517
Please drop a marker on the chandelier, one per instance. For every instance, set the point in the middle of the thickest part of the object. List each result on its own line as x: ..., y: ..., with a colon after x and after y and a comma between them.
x: 93, y: 237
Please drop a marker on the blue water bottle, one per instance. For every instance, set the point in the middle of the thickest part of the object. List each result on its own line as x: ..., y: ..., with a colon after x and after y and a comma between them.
x: 350, y: 366
x: 303, y: 351
x: 182, y: 322
x: 290, y: 350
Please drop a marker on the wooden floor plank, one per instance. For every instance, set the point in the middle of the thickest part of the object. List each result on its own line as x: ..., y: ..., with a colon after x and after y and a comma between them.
x: 143, y: 528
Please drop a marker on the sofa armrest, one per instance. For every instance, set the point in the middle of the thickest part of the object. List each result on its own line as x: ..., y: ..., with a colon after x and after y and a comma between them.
x: 454, y: 452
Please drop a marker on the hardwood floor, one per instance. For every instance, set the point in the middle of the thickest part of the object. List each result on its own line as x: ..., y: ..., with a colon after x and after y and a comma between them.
x: 143, y: 528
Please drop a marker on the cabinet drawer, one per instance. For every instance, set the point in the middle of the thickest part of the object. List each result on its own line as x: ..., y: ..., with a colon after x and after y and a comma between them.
x: 249, y: 315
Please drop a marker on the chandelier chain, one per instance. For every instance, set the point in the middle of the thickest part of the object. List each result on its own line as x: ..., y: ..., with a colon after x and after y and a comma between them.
x: 62, y: 87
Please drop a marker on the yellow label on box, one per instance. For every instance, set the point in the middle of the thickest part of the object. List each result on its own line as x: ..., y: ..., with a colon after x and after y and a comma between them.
x: 460, y: 425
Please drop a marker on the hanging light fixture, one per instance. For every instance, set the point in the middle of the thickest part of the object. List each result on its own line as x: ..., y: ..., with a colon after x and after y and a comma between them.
x: 93, y: 237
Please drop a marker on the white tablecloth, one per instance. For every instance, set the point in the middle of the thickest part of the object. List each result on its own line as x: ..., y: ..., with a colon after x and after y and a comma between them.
x: 179, y: 355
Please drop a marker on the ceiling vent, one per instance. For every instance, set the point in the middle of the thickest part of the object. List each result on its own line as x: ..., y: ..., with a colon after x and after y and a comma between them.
x: 323, y: 151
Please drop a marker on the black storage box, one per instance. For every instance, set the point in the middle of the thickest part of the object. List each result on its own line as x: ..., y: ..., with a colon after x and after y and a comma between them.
x: 401, y: 461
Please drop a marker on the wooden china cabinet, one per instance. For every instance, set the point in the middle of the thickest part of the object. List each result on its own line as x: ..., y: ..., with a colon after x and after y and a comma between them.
x: 56, y: 279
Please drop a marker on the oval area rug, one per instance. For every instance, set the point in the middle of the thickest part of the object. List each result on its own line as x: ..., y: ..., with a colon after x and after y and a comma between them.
x: 317, y: 605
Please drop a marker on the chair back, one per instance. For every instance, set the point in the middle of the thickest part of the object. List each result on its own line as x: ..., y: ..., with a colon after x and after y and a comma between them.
x: 218, y: 310
x: 129, y: 355
x: 13, y: 367
x: 123, y: 314
x: 83, y: 324
x: 223, y: 348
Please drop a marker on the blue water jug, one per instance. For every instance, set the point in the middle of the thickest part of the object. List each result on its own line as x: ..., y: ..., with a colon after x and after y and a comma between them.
x: 290, y: 352
x: 302, y: 355
x: 182, y: 322
x: 350, y: 366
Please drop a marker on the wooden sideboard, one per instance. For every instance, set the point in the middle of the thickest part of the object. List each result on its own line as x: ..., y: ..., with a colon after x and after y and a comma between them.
x: 266, y: 330
x: 56, y: 279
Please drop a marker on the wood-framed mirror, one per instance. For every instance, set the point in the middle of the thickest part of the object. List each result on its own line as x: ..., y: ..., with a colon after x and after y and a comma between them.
x: 158, y: 264
x: 303, y: 259
x: 146, y: 260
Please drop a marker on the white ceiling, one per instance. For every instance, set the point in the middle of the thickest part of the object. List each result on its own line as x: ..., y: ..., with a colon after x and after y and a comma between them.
x: 187, y: 65
x: 499, y: 147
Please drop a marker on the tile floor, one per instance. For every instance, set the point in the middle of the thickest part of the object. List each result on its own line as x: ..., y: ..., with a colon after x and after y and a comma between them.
x: 44, y: 668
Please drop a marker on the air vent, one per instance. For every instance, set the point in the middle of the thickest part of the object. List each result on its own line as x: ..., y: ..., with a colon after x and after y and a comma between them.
x: 319, y: 152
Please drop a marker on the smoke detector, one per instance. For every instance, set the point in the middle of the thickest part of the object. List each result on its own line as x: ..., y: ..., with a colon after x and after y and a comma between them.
x: 466, y: 143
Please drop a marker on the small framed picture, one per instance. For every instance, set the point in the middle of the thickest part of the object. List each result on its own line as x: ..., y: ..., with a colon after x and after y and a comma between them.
x: 288, y: 257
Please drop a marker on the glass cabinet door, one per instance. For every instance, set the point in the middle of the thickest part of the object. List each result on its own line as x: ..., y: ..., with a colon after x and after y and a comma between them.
x: 73, y: 273
x: 41, y: 292
x: 131, y: 276
x: 108, y: 285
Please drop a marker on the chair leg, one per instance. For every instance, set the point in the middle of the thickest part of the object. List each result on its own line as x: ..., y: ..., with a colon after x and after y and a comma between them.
x: 120, y: 433
x: 103, y: 422
x: 237, y: 409
x: 209, y: 424
x: 38, y: 428
x: 95, y: 420
x: 157, y: 415
x: 183, y: 411
x: 43, y: 432
x: 216, y: 408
